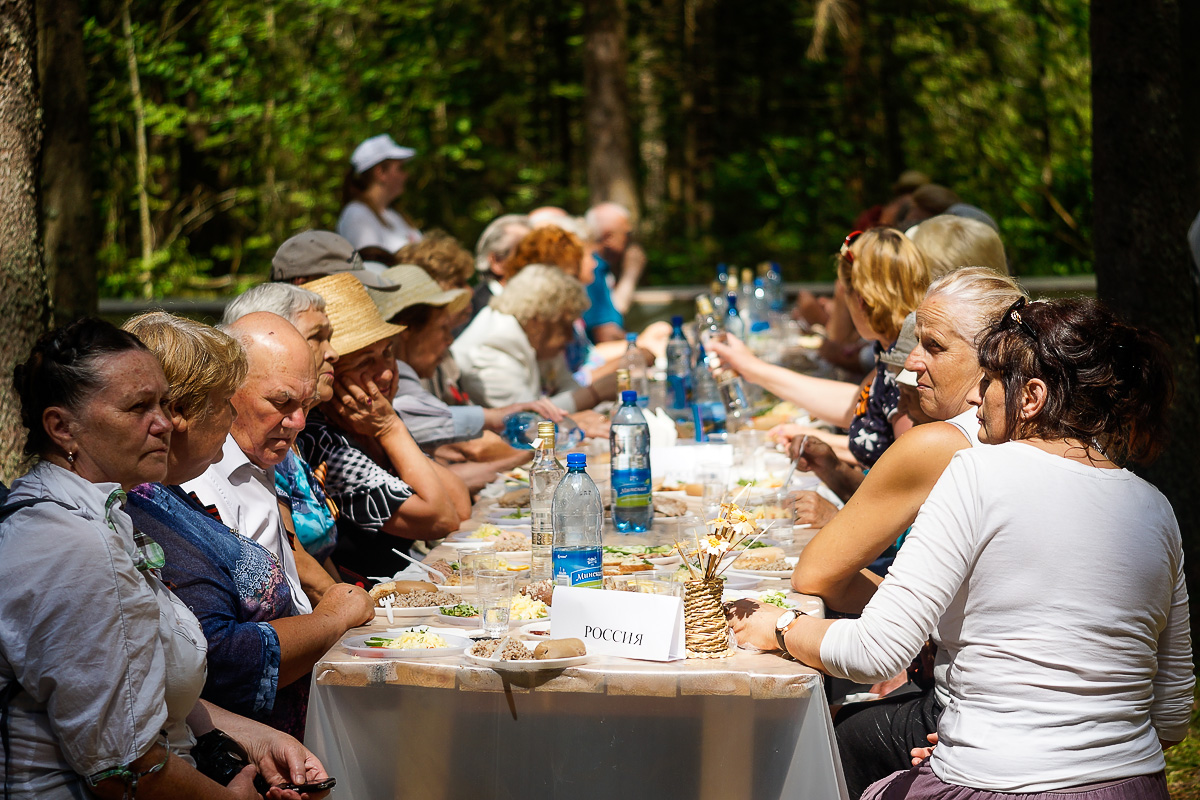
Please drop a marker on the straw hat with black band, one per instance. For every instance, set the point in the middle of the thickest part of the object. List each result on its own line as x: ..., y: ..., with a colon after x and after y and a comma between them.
x: 417, y: 288
x: 355, y: 319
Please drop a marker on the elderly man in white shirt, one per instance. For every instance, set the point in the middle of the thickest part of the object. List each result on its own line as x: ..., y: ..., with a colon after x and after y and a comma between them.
x: 271, y: 407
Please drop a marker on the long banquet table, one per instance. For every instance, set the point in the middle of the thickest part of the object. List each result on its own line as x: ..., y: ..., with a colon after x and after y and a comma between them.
x: 754, y: 725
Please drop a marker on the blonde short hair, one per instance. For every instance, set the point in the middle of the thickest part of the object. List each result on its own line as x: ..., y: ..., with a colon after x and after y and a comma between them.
x: 978, y: 295
x: 541, y: 292
x: 948, y: 242
x: 197, y: 359
x: 885, y: 269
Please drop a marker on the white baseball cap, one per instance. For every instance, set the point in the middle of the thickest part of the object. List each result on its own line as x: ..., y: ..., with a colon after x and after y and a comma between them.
x: 376, y: 150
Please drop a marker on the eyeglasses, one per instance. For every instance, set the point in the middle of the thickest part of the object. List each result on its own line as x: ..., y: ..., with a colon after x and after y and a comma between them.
x: 1014, y: 313
x: 849, y: 240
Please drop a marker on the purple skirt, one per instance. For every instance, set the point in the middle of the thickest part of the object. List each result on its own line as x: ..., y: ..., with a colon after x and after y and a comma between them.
x: 920, y: 783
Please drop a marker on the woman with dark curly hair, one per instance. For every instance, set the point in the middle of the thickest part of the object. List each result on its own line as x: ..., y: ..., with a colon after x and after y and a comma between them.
x: 1053, y: 576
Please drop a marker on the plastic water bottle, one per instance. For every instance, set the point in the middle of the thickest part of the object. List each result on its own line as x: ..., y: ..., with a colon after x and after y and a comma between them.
x: 733, y: 317
x: 716, y: 298
x: 629, y: 443
x: 708, y: 323
x: 544, y: 475
x: 774, y: 284
x: 635, y: 362
x: 756, y: 317
x: 746, y: 292
x: 578, y: 515
x: 707, y: 409
x: 521, y: 431
x: 679, y: 368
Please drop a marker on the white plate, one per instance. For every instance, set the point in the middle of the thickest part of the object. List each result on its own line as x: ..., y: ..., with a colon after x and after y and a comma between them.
x: 499, y: 517
x: 739, y: 582
x: 765, y: 573
x: 475, y: 620
x: 741, y: 594
x: 539, y: 629
x: 357, y: 646
x: 526, y: 665
x: 400, y: 613
x: 468, y: 544
x: 468, y: 536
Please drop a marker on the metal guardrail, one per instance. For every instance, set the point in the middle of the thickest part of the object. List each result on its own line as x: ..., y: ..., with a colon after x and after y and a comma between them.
x: 646, y: 298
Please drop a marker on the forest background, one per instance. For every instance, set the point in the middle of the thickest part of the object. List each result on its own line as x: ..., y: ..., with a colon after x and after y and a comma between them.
x: 739, y: 132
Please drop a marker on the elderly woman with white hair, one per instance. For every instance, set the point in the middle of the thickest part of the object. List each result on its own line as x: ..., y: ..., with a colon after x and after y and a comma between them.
x: 510, y: 351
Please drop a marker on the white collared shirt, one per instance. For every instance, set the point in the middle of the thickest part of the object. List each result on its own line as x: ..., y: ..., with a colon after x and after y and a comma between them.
x: 243, y: 497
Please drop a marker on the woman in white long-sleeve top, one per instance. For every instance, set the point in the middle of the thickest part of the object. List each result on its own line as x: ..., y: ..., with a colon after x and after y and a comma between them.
x: 1054, y: 577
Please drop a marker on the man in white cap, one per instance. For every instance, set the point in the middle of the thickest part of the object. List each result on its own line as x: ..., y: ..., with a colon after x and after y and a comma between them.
x: 375, y: 181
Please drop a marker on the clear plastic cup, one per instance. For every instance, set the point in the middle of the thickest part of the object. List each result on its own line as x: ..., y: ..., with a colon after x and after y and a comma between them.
x: 494, y: 590
x: 473, y: 561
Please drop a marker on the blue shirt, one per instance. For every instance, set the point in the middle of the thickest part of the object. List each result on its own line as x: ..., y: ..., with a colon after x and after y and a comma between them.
x: 602, y: 310
x: 235, y: 587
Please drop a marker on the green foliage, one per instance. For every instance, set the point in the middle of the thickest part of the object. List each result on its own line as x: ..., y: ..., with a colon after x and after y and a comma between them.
x: 252, y: 110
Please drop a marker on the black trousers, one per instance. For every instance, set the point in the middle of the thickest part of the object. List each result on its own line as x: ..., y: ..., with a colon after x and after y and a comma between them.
x: 875, y: 738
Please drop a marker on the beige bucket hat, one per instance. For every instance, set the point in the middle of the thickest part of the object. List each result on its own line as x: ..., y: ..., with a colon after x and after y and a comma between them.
x: 416, y: 288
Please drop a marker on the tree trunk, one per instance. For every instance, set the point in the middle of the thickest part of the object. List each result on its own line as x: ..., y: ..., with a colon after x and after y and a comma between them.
x: 653, y: 146
x: 143, y: 158
x: 610, y: 154
x: 68, y: 214
x: 23, y: 303
x: 1145, y: 196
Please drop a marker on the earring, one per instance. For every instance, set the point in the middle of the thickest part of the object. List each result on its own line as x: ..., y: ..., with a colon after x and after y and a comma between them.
x: 71, y: 459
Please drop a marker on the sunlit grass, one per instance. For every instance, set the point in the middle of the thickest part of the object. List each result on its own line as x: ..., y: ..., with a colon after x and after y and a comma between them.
x: 1183, y: 764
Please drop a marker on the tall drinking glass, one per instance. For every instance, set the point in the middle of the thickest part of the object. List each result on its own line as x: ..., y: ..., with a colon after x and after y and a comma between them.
x: 494, y: 588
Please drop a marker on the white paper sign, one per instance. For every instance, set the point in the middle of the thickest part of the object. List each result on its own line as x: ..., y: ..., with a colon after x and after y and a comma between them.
x: 626, y: 624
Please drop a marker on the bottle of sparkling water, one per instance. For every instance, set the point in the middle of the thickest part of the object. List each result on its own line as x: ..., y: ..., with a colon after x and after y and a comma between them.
x: 635, y: 362
x: 733, y: 317
x: 578, y: 515
x: 707, y: 407
x: 629, y: 443
x: 544, y: 475
x: 523, y: 428
x: 679, y: 368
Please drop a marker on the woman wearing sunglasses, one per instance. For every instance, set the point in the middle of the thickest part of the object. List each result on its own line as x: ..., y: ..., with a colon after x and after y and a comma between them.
x: 1053, y: 576
x: 884, y: 277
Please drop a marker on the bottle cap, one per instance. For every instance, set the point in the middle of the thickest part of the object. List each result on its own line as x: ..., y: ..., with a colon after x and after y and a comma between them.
x: 704, y: 305
x: 676, y: 321
x: 576, y: 460
x: 631, y: 337
x: 628, y: 396
x: 545, y: 430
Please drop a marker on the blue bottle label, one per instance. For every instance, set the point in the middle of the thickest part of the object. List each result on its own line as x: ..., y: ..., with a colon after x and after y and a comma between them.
x: 578, y: 566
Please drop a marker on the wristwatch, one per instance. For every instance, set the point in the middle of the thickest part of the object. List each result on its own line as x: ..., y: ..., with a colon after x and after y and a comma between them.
x: 785, y: 621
